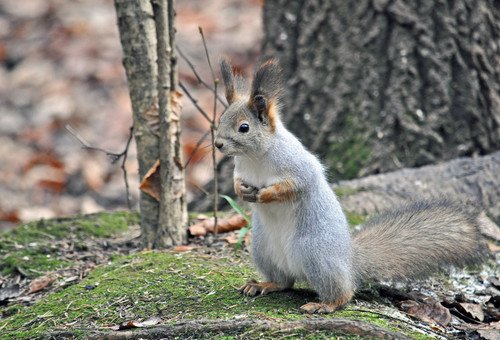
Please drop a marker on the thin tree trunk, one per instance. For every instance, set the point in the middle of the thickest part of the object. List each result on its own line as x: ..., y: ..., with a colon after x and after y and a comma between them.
x: 173, y: 214
x: 138, y: 30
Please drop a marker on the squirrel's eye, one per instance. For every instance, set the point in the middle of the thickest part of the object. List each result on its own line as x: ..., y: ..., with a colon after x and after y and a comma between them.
x: 244, y: 128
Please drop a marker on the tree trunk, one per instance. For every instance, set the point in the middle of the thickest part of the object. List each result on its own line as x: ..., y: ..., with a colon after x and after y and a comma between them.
x: 376, y: 85
x: 163, y: 221
x: 473, y: 179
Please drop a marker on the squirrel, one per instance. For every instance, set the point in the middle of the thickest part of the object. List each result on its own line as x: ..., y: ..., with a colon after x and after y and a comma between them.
x: 300, y: 232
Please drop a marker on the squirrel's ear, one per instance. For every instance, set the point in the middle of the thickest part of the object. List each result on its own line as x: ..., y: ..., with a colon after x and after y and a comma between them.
x: 267, y: 81
x: 228, y: 76
x: 266, y: 90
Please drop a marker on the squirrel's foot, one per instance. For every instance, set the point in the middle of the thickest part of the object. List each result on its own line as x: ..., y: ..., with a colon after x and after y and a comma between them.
x: 318, y: 308
x: 246, y: 192
x: 325, y: 307
x: 252, y: 288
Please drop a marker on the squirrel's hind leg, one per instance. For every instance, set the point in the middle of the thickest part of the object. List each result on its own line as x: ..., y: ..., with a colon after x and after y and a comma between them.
x: 326, y: 307
x: 332, y: 280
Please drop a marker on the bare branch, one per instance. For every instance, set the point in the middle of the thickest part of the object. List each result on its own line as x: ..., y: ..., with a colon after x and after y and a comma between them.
x: 195, y: 102
x: 212, y: 130
x: 114, y: 157
x: 198, y: 77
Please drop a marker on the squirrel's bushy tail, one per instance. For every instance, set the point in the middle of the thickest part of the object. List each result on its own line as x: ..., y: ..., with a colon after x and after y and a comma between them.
x: 416, y: 239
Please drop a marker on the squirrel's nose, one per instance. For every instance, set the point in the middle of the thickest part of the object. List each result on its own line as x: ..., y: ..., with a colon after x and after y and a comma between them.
x: 219, y: 145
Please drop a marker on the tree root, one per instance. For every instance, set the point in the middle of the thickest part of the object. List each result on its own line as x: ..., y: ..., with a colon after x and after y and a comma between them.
x: 248, y: 328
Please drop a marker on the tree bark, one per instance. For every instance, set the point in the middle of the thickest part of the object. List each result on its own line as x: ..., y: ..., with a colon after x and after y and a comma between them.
x: 376, y: 85
x: 173, y: 213
x: 138, y: 29
x: 474, y: 180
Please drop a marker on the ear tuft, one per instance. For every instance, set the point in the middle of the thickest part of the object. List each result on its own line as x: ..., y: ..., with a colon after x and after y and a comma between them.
x: 267, y: 81
x: 228, y: 76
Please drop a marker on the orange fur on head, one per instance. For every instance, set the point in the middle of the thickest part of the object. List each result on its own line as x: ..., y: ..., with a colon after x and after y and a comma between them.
x: 272, y: 113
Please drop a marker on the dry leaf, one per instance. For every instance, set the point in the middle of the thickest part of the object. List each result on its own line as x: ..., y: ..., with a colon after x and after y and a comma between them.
x: 48, y: 159
x: 41, y: 283
x: 432, y: 311
x: 151, y: 182
x: 10, y: 216
x: 231, y: 239
x: 197, y: 229
x: 183, y: 248
x: 53, y: 185
x: 472, y: 310
x: 489, y: 334
x: 137, y: 324
x: 224, y: 225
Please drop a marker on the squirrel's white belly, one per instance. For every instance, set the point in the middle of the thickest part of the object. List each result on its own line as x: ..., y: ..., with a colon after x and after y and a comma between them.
x: 278, y: 224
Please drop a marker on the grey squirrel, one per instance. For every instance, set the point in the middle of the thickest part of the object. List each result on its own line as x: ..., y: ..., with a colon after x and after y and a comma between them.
x: 299, y: 229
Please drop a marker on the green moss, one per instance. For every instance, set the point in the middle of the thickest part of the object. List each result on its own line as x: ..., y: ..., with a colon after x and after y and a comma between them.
x: 175, y: 286
x: 32, y: 262
x: 351, y: 150
x: 32, y: 248
x: 354, y: 219
x: 96, y: 225
x: 348, y: 156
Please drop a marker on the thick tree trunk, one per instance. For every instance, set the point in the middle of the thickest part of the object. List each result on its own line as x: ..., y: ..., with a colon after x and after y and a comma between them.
x: 136, y: 22
x: 376, y: 85
x: 473, y: 179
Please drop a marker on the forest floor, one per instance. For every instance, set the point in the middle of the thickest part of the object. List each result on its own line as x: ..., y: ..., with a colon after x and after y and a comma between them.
x: 85, y: 277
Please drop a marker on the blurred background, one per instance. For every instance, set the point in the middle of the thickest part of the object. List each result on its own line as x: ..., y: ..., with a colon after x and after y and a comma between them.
x: 371, y: 87
x: 61, y: 64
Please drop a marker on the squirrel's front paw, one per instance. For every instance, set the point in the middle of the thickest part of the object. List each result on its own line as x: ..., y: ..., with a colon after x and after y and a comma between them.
x: 248, y: 192
x: 252, y: 288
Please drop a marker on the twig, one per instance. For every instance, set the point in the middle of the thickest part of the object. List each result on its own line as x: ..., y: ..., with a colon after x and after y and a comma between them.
x: 412, y: 324
x: 114, y: 157
x: 198, y: 77
x: 212, y: 130
x: 124, y: 170
x: 197, y: 146
x: 195, y: 102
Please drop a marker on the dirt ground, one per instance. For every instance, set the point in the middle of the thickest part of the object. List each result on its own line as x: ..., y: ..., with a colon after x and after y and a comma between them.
x: 60, y: 64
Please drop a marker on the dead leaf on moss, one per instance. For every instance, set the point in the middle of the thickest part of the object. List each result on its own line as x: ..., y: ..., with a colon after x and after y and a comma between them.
x: 41, y: 283
x: 431, y: 311
x: 137, y: 324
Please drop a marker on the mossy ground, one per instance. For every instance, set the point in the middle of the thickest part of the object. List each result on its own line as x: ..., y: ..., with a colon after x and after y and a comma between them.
x: 200, y: 284
x: 192, y: 285
x: 32, y: 248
